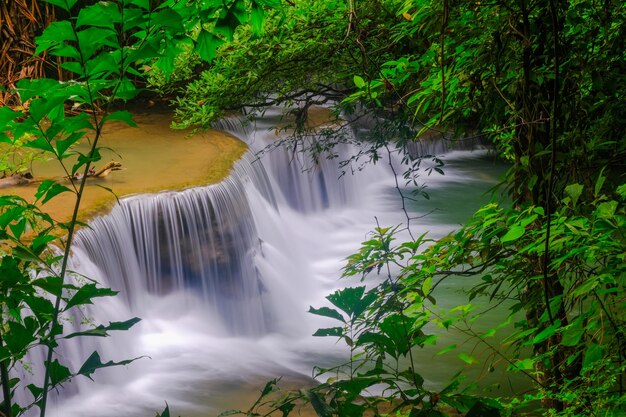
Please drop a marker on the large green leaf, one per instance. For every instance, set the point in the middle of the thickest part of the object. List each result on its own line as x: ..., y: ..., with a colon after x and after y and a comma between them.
x: 207, y: 44
x: 93, y: 363
x: 102, y: 14
x: 17, y: 338
x: 87, y: 293
x: 327, y: 312
x: 48, y: 189
x: 515, y: 232
x: 64, y: 4
x: 102, y: 331
x: 58, y: 373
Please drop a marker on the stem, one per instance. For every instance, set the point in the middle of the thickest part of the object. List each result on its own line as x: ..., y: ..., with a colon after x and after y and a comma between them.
x: 553, y: 137
x: 404, y: 327
x: 66, y: 256
x: 71, y: 229
x: 6, y: 388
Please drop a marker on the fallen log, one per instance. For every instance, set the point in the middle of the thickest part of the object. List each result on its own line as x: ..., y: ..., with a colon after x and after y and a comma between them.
x: 26, y: 178
x: 16, y: 180
x: 106, y: 170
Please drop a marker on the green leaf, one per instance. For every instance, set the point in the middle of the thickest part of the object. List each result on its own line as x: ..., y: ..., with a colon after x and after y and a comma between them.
x: 24, y: 253
x: 54, y: 36
x: 546, y: 333
x: 65, y: 144
x: 35, y: 390
x: 275, y: 4
x: 592, y: 355
x: 40, y: 143
x: 599, y: 183
x: 126, y: 90
x: 426, y: 286
x: 228, y: 22
x: 166, y: 411
x: 102, y: 331
x: 18, y: 228
x: 102, y: 14
x: 269, y: 387
x: 86, y: 293
x: 525, y: 364
x: 256, y: 18
x: 447, y: 349
x: 93, y: 38
x: 574, y: 191
x: 230, y: 413
x: 467, y: 358
x: 573, y: 333
x: 331, y: 331
x: 17, y: 339
x: 121, y: 116
x: 168, y: 18
x: 207, y: 44
x: 11, y: 272
x: 64, y: 4
x: 48, y: 189
x: 84, y: 159
x: 482, y: 409
x: 53, y: 285
x: 327, y: 312
x: 321, y: 408
x: 514, y: 233
x: 144, y: 4
x: 7, y: 115
x: 606, y: 210
x: 58, y: 373
x: 359, y: 81
x: 41, y: 307
x: 93, y: 363
x: 351, y: 300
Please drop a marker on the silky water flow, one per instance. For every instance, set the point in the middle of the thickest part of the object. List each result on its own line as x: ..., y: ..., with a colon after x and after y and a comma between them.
x: 222, y: 276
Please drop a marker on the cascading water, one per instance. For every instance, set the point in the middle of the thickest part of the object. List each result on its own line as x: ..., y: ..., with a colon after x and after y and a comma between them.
x: 222, y: 277
x: 202, y: 239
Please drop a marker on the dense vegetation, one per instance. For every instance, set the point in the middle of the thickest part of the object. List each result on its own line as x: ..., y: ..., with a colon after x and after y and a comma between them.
x: 544, y: 81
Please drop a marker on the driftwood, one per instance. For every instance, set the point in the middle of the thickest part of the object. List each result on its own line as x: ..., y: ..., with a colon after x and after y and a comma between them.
x: 106, y: 170
x: 102, y: 172
x: 16, y: 180
x: 27, y: 178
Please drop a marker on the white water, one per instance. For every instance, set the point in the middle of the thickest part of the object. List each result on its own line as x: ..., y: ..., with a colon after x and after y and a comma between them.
x: 222, y: 277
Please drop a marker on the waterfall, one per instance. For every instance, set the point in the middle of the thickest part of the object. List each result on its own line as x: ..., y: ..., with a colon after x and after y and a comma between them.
x: 201, y: 240
x: 204, y: 241
x: 222, y: 276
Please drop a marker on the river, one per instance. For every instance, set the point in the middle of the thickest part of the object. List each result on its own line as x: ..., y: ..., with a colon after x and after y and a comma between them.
x: 222, y: 277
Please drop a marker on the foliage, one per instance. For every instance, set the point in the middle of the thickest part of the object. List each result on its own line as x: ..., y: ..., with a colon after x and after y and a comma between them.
x: 303, y: 55
x: 544, y: 82
x: 584, y: 321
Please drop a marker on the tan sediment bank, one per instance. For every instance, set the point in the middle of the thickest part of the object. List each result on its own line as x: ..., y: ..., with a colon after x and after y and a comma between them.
x: 154, y: 158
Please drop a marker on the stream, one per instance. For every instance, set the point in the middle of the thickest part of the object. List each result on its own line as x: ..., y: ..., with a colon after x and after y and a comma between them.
x: 222, y: 277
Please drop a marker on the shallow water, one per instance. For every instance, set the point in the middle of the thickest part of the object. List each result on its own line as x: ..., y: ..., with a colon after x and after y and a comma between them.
x: 154, y: 157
